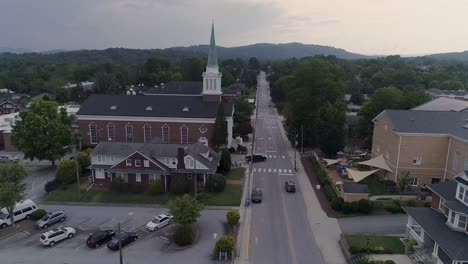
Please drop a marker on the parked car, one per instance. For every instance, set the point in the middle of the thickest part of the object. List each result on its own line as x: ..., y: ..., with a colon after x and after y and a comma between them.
x: 125, y: 238
x: 55, y: 235
x: 159, y: 221
x: 22, y: 210
x: 257, y: 195
x: 290, y: 186
x: 255, y: 158
x: 51, y: 218
x: 99, y: 238
x: 8, y: 159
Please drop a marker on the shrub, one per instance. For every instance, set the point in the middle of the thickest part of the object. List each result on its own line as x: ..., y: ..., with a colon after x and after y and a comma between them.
x: 232, y: 149
x: 355, y: 206
x: 364, y: 206
x: 411, y: 203
x: 184, y: 235
x: 84, y: 159
x: 390, y: 262
x: 138, y: 188
x: 51, y: 186
x: 329, y: 192
x: 66, y: 172
x: 323, y: 179
x: 337, y: 203
x: 155, y: 188
x: 242, y: 149
x: 118, y: 185
x: 225, y: 243
x: 347, y: 208
x: 225, y: 162
x: 216, y: 183
x: 180, y: 184
x: 394, y: 207
x: 38, y: 214
x: 233, y: 217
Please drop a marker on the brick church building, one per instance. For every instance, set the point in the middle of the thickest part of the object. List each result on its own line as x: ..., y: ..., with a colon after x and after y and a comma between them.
x: 177, y: 115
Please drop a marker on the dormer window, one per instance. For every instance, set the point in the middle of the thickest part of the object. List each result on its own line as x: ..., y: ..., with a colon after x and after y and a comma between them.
x: 457, y: 220
x: 149, y: 108
x: 114, y: 107
x: 186, y: 109
x: 462, y: 194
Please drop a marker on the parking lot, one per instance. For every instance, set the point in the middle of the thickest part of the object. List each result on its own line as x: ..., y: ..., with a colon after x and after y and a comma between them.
x: 23, y: 245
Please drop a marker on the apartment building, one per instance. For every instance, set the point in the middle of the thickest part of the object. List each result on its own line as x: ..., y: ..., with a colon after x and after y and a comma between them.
x: 430, y: 141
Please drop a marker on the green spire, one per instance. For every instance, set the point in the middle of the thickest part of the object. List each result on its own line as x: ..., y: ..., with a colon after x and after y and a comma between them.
x: 212, y: 58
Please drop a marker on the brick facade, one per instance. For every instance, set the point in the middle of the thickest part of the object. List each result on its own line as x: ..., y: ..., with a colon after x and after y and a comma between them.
x: 194, y: 132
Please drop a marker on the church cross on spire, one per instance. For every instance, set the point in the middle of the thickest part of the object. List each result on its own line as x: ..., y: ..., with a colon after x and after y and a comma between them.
x: 212, y: 57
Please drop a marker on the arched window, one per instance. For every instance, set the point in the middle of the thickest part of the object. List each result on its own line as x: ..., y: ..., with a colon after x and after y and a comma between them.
x: 147, y: 133
x: 129, y: 132
x: 110, y: 132
x: 183, y: 134
x: 93, y: 133
x: 165, y: 134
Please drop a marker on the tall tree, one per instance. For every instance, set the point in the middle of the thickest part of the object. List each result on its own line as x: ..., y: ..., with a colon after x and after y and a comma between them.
x: 104, y: 83
x: 12, y: 186
x: 220, y: 128
x: 331, y: 128
x: 43, y: 132
x: 186, y: 209
x: 254, y: 64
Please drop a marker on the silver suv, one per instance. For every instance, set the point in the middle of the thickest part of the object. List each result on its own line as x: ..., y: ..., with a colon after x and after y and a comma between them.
x: 51, y: 218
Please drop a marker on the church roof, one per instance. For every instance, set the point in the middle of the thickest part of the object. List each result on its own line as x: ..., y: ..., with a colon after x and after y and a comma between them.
x: 151, y: 106
x: 176, y: 87
x: 212, y: 57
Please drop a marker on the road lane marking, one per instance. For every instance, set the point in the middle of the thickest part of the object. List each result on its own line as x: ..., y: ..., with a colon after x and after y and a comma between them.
x: 274, y: 170
x: 286, y: 174
x: 248, y: 240
x: 283, y: 157
x: 269, y: 170
x: 254, y: 170
x: 291, y: 242
x: 290, y: 171
x: 279, y: 170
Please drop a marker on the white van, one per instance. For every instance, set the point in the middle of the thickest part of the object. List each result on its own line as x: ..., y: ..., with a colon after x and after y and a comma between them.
x: 23, y: 210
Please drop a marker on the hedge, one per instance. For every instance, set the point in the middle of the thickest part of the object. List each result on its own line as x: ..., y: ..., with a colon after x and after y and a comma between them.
x: 329, y: 192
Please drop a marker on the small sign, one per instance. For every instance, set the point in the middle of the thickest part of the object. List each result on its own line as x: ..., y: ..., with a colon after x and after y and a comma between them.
x: 318, y: 187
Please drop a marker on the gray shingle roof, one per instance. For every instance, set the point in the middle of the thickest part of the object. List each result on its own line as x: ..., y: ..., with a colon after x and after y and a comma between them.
x: 434, y: 122
x: 462, y: 178
x: 351, y: 187
x: 150, y: 106
x: 454, y: 92
x: 454, y: 243
x: 176, y: 88
x: 447, y: 190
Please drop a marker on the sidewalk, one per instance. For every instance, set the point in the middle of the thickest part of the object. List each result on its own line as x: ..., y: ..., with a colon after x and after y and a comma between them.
x: 326, y: 230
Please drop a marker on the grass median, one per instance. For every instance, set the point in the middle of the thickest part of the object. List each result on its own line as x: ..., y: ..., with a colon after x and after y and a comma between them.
x: 231, y: 196
x: 375, y: 244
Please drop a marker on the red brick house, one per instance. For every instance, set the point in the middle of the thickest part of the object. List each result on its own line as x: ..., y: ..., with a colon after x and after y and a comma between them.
x: 173, y: 113
x: 442, y: 230
x: 139, y: 164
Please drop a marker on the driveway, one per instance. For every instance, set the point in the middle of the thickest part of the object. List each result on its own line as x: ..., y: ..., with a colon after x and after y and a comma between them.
x: 376, y: 225
x: 24, y: 247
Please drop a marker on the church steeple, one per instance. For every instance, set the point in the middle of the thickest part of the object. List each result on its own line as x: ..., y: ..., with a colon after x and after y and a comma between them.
x: 212, y: 57
x: 212, y: 77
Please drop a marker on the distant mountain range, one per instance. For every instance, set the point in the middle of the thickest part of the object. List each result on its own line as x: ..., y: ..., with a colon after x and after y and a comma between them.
x: 451, y: 56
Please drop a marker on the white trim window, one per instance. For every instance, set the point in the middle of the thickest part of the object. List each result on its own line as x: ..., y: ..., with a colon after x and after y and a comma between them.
x: 138, y: 177
x: 183, y: 134
x: 456, y: 160
x: 137, y: 163
x: 165, y: 134
x: 110, y: 132
x: 128, y: 163
x: 147, y: 133
x: 146, y: 163
x: 417, y: 160
x: 93, y: 133
x: 101, y: 159
x: 413, y: 181
x: 457, y: 220
x: 462, y: 194
x: 129, y: 132
x: 462, y: 221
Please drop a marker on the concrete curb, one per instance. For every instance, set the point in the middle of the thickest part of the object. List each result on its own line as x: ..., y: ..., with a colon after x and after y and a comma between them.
x: 130, y: 205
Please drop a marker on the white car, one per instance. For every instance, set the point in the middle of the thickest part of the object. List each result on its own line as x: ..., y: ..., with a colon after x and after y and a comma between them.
x: 55, y: 235
x: 158, y: 222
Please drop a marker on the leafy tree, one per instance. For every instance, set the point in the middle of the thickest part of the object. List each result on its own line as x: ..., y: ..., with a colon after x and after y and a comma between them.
x: 216, y: 183
x: 180, y: 184
x: 184, y: 235
x: 104, y: 83
x: 186, y: 209
x: 156, y: 188
x: 192, y: 69
x: 226, y: 243
x: 227, y: 78
x: 331, y: 128
x: 254, y: 63
x: 233, y: 217
x: 225, y: 162
x: 12, y: 186
x: 403, y: 182
x: 357, y: 97
x: 84, y: 159
x: 66, y: 172
x: 42, y: 132
x: 220, y: 128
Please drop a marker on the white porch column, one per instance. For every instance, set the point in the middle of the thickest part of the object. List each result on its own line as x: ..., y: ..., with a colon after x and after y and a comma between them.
x: 165, y: 183
x: 204, y: 179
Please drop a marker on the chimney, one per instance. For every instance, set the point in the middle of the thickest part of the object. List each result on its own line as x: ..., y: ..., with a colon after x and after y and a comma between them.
x: 180, y: 158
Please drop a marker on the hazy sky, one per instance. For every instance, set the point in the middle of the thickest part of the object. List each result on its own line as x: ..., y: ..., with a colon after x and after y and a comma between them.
x: 362, y: 26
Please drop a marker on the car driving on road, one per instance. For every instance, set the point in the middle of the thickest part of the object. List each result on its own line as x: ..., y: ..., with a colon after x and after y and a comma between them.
x: 99, y: 238
x: 255, y: 158
x: 158, y: 222
x: 51, y: 218
x: 257, y: 195
x: 8, y: 159
x: 125, y: 238
x: 290, y: 186
x: 50, y: 238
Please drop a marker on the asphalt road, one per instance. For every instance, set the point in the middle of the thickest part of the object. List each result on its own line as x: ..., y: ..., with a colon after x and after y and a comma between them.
x: 280, y: 232
x: 24, y: 247
x: 375, y: 225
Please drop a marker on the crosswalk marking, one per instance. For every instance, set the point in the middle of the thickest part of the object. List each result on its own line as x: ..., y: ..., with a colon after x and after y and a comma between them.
x: 274, y: 156
x: 283, y: 157
x: 279, y: 170
x: 290, y: 171
x: 274, y: 170
x: 264, y: 170
x: 269, y: 170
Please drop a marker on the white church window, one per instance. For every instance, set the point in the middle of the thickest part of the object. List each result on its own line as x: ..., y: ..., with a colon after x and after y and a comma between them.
x: 183, y: 134
x: 93, y: 134
x: 110, y: 132
x: 165, y: 134
x: 147, y: 132
x: 129, y: 132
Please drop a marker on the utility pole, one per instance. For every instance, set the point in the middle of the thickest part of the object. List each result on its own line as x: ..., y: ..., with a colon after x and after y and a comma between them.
x: 120, y: 243
x: 295, y: 150
x: 302, y: 139
x: 195, y: 168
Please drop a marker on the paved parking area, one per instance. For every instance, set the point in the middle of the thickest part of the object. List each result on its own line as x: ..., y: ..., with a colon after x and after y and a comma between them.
x: 24, y: 247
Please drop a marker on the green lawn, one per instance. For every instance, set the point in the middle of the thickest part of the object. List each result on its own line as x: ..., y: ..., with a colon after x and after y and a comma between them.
x: 375, y: 187
x: 229, y: 197
x: 377, y: 244
x: 236, y: 174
